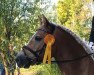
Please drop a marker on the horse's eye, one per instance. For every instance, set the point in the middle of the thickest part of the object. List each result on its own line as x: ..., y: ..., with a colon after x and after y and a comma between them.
x: 37, y: 38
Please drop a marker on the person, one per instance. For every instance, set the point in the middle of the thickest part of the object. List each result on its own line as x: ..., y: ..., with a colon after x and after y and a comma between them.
x: 3, y: 72
x: 91, y: 39
x: 2, y: 69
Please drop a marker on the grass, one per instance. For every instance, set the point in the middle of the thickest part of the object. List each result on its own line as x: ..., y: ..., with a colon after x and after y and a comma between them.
x: 41, y: 70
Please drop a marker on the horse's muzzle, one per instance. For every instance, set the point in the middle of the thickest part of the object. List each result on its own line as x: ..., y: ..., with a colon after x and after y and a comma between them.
x: 23, y: 61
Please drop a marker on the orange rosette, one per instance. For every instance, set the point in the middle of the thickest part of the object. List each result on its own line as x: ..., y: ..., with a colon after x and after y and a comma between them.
x: 49, y: 41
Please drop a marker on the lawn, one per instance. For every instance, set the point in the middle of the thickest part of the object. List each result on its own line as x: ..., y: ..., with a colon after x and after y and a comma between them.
x: 41, y: 70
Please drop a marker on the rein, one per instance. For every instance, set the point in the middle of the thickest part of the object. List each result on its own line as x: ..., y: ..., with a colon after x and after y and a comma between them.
x: 73, y: 60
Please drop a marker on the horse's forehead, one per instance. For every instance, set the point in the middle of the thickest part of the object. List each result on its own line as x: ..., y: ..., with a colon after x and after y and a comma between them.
x: 42, y: 27
x: 40, y: 31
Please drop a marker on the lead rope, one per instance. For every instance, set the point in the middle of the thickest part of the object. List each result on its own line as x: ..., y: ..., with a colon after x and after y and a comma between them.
x: 49, y: 41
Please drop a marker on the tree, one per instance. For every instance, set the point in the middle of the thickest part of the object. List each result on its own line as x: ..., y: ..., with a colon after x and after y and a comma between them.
x: 18, y: 21
x: 75, y: 15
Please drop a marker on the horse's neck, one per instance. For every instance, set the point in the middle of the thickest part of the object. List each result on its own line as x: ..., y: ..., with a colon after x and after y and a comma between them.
x: 65, y: 51
x: 68, y: 68
x: 79, y: 67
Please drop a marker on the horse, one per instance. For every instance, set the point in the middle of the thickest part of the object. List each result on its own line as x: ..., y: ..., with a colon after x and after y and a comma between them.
x: 69, y: 51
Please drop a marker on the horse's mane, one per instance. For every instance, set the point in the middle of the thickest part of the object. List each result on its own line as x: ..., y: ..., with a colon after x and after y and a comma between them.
x: 74, y: 36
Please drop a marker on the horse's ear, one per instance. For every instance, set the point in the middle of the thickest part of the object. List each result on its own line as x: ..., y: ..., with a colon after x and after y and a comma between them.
x: 44, y: 20
x: 50, y: 27
x: 47, y: 24
x: 40, y: 20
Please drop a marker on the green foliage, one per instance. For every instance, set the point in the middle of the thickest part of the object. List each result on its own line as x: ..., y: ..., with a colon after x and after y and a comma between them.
x: 73, y: 15
x: 42, y: 70
x: 18, y: 22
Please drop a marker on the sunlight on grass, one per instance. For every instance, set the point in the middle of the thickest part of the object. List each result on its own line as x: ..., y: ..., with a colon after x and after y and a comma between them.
x: 41, y: 70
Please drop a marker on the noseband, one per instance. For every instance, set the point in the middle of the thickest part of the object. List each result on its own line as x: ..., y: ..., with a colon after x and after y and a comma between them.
x: 30, y: 50
x: 35, y: 53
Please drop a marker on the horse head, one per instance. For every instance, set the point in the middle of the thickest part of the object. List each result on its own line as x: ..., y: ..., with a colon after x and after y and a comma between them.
x: 33, y: 52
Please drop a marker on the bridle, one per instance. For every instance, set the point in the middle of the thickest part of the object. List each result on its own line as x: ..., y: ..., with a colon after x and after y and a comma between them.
x: 37, y: 53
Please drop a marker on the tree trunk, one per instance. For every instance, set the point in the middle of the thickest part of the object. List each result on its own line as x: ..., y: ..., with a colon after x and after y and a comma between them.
x: 18, y: 69
x: 5, y: 65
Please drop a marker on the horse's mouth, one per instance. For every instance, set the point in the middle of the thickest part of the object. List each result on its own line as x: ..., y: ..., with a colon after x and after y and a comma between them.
x: 25, y: 65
